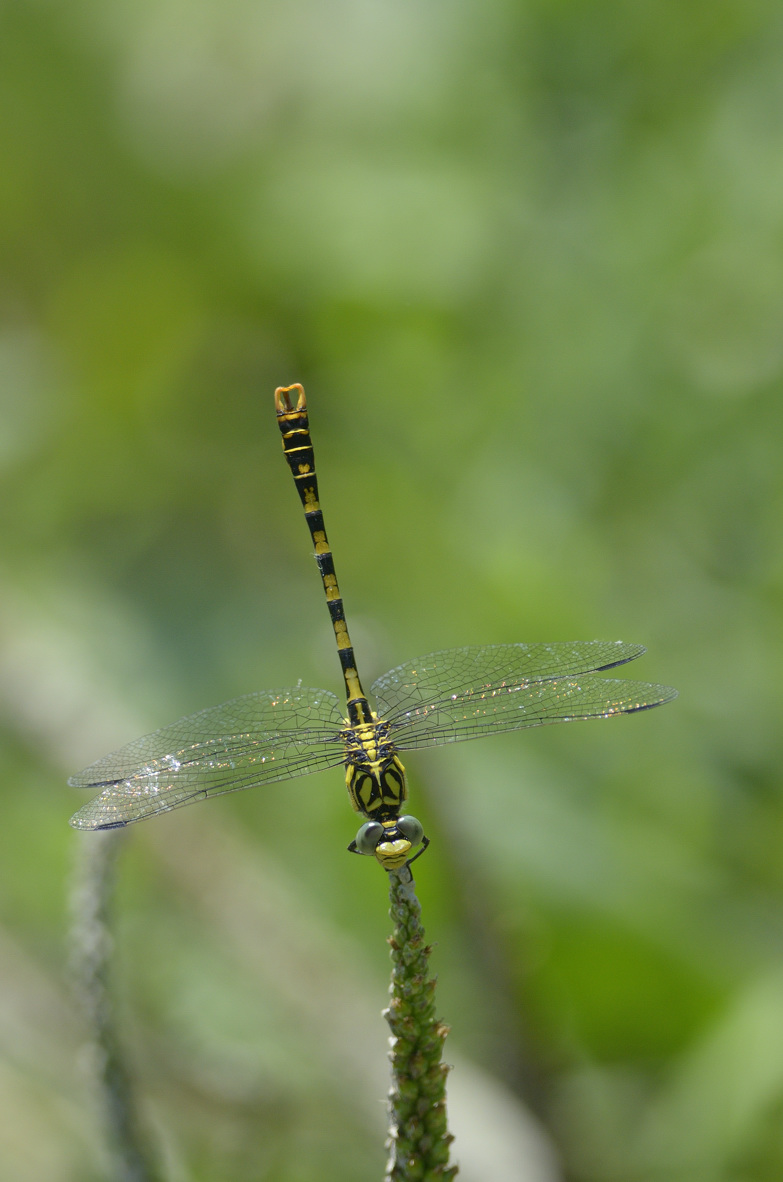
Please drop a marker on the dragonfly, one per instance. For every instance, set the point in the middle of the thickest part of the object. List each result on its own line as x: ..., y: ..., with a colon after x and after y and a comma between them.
x: 443, y: 697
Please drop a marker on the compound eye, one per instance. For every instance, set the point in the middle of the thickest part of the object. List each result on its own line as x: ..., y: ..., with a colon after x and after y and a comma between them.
x: 411, y: 828
x: 368, y: 837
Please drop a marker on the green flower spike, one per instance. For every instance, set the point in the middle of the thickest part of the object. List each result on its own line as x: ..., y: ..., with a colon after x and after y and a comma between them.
x: 418, y: 1133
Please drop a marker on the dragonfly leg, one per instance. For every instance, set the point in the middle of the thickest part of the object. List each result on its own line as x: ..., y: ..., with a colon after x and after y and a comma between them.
x: 425, y: 841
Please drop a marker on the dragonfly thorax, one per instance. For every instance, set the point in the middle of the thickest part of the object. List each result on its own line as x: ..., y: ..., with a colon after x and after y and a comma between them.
x: 374, y: 776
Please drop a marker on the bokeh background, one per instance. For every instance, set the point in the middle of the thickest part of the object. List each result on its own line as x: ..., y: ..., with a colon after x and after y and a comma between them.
x: 527, y: 260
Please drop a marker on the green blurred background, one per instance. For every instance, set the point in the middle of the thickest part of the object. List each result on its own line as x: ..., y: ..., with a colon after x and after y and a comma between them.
x: 527, y: 261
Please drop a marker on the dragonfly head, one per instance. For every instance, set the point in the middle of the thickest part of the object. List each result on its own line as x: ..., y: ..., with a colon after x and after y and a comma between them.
x: 391, y: 842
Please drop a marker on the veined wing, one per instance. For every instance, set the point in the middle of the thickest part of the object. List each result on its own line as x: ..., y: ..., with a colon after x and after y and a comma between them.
x: 507, y: 687
x: 539, y: 703
x: 479, y: 668
x: 256, y: 739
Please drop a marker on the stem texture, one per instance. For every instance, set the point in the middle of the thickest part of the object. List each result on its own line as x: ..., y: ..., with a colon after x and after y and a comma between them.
x: 419, y: 1139
x: 91, y: 952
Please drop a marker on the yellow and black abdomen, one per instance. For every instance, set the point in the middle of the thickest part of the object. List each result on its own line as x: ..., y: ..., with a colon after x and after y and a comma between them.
x: 298, y: 447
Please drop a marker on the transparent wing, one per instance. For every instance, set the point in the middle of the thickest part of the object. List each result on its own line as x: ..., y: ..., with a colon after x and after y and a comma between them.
x: 465, y: 693
x: 255, y: 739
x: 512, y: 708
x: 437, y: 676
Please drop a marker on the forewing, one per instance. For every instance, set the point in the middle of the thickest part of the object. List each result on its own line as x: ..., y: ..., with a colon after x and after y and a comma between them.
x: 255, y: 739
x: 512, y: 707
x: 483, y: 668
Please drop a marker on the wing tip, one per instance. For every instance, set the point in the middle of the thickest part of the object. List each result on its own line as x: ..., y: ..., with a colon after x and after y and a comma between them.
x: 82, y: 780
x: 667, y: 694
x: 90, y: 825
x: 631, y: 652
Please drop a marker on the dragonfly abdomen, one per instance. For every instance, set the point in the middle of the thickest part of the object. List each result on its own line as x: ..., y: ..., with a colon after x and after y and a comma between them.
x: 298, y: 448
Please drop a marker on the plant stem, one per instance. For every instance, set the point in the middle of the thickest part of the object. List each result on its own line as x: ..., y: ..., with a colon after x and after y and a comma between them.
x: 91, y: 949
x: 418, y: 1133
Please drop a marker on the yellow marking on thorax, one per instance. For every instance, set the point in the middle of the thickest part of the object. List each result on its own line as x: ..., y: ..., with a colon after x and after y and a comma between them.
x: 366, y: 735
x: 367, y: 738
